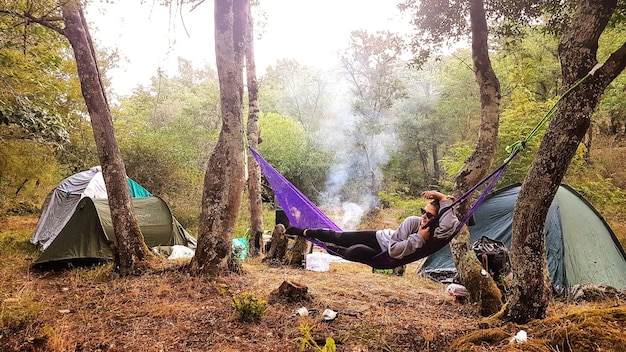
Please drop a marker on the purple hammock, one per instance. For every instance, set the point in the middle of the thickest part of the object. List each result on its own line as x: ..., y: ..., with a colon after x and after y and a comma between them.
x: 302, y: 213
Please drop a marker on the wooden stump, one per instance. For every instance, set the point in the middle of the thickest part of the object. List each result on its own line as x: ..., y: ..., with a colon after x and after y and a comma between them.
x: 291, y: 291
x: 278, y: 248
x: 295, y: 256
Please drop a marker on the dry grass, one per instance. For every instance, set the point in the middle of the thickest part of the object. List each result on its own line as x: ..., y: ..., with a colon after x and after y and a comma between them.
x: 91, y: 309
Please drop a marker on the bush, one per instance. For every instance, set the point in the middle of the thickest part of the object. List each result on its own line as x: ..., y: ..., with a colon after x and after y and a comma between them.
x: 249, y: 307
x: 410, y: 205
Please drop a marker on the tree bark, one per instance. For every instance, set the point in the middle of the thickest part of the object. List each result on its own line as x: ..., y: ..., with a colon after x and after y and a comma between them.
x: 436, y: 170
x: 482, y: 289
x: 295, y: 256
x: 530, y: 291
x: 278, y: 246
x: 290, y: 291
x: 254, y: 138
x: 224, y: 178
x: 129, y: 249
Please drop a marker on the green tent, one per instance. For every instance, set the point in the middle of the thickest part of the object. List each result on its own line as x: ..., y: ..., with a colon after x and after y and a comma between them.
x: 85, y: 236
x: 61, y: 202
x: 581, y: 248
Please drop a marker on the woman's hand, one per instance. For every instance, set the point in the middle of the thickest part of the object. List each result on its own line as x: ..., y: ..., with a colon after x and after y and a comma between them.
x: 424, y: 231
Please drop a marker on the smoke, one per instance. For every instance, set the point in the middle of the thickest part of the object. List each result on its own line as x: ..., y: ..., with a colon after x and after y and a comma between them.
x: 355, y: 176
x: 362, y: 143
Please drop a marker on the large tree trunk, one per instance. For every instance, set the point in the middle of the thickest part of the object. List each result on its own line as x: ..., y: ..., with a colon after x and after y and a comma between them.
x: 254, y: 138
x: 531, y: 288
x: 130, y: 249
x: 224, y: 179
x: 482, y: 288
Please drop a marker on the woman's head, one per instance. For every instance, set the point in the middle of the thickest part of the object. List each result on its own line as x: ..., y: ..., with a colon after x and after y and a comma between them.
x: 431, y: 209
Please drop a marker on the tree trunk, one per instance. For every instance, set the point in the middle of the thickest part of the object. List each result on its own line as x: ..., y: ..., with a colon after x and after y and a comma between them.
x: 423, y: 158
x: 436, y: 170
x: 530, y: 291
x: 482, y: 289
x: 254, y: 138
x: 224, y: 178
x: 130, y: 248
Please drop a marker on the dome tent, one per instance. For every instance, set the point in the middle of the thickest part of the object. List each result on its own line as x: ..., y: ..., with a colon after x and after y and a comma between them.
x: 581, y: 248
x: 75, y: 224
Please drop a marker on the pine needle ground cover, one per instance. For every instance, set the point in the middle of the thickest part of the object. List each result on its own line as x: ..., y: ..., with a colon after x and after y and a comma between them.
x: 164, y: 309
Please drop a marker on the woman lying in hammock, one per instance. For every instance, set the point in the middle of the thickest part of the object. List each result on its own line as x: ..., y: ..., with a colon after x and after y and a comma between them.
x: 412, y: 234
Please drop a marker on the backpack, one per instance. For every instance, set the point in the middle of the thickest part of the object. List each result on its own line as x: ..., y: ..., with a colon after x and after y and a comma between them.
x: 494, y: 256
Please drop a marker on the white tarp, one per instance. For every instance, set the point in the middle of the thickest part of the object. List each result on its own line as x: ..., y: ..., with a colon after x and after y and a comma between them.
x: 60, y: 203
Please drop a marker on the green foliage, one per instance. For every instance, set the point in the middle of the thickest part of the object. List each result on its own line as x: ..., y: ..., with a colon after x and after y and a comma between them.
x: 23, y: 208
x: 166, y: 133
x: 41, y: 105
x: 300, y: 92
x: 287, y: 147
x: 372, y: 68
x: 20, y: 182
x: 403, y: 175
x: 443, y: 108
x: 458, y: 107
x: 372, y: 62
x: 248, y: 306
x: 455, y: 159
x: 36, y: 92
x: 307, y: 340
x: 410, y: 205
x: 602, y: 191
x: 516, y: 123
x: 531, y: 63
x: 35, y: 122
x: 242, y: 225
x: 528, y: 70
x: 442, y: 23
x: 79, y: 153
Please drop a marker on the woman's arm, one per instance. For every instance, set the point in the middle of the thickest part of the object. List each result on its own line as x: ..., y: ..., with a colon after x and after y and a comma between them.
x: 408, y: 237
x: 435, y: 195
x: 448, y: 221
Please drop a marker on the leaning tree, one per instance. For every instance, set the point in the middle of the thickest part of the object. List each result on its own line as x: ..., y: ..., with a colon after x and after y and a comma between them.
x: 67, y: 18
x: 578, y: 48
x: 437, y: 20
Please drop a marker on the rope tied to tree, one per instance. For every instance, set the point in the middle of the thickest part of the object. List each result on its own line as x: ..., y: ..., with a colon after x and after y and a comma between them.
x: 513, y: 150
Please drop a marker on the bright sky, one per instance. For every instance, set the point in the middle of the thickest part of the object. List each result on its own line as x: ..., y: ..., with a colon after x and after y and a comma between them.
x: 312, y: 32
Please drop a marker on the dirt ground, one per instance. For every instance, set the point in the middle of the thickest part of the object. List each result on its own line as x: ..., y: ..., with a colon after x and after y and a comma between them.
x: 164, y: 309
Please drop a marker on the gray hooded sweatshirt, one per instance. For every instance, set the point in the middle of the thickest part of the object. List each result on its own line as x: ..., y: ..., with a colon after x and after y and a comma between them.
x: 405, y: 240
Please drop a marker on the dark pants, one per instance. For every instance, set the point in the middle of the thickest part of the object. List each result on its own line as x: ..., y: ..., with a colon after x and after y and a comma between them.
x: 352, y: 245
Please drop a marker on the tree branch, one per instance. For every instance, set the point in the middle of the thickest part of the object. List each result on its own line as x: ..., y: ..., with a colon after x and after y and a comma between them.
x: 614, y: 65
x: 44, y: 21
